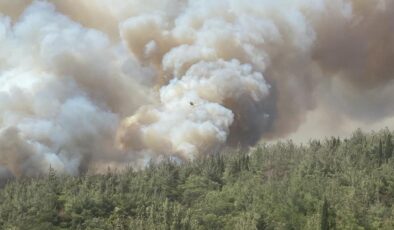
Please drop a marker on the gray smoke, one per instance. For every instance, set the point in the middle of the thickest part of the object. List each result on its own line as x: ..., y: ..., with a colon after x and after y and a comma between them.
x: 89, y: 84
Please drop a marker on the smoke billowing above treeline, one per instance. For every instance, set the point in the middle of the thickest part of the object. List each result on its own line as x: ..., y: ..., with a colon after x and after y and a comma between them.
x: 89, y: 84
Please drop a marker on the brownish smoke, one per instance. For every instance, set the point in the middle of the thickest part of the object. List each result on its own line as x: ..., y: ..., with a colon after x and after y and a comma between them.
x: 88, y: 84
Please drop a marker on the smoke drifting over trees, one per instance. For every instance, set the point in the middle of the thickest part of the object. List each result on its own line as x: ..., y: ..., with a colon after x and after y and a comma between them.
x: 88, y: 84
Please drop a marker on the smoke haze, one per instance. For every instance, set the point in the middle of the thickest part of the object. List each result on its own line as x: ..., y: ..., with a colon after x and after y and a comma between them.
x: 89, y: 84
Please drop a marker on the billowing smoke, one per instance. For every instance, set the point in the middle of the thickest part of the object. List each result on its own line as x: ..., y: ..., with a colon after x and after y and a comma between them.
x: 89, y: 84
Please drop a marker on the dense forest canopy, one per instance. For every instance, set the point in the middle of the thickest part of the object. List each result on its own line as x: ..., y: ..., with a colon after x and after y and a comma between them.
x: 327, y: 184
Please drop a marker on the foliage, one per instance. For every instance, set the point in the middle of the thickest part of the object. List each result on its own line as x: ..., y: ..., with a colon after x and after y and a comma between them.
x: 328, y: 184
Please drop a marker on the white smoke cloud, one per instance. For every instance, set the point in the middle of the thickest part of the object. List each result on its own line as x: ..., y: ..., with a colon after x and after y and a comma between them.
x: 88, y: 84
x: 192, y: 117
x: 62, y: 93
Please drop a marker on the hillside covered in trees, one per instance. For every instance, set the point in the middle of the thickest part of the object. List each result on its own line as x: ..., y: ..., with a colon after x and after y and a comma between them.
x: 327, y: 184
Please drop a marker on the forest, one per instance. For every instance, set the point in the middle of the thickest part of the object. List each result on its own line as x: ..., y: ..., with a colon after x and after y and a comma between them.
x: 335, y: 183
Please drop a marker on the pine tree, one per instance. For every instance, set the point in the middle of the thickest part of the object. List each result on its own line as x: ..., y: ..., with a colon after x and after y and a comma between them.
x: 324, y: 216
x: 388, y: 147
x: 380, y: 153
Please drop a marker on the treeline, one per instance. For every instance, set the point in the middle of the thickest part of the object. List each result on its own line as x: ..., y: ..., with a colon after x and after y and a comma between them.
x: 328, y: 184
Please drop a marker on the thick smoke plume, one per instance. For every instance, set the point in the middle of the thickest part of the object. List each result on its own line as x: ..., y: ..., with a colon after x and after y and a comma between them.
x: 88, y: 84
